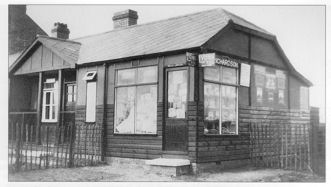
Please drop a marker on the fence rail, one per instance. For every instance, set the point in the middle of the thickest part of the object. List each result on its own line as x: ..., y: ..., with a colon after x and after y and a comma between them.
x: 277, y: 145
x: 65, y: 145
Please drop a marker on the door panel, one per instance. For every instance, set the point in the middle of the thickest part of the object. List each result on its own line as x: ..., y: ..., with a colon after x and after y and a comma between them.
x: 175, y: 128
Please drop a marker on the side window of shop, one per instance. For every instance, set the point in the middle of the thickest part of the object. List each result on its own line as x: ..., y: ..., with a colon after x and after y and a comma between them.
x: 270, y: 85
x: 220, y: 100
x: 136, y: 101
x: 50, y: 101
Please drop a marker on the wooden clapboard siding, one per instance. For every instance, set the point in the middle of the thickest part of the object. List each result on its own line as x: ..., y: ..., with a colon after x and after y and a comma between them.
x: 42, y: 59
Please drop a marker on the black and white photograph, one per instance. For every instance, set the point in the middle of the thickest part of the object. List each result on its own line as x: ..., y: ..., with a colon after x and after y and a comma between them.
x: 165, y: 93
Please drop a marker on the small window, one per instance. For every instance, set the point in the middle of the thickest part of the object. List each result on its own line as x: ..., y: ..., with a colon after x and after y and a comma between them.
x: 90, y: 76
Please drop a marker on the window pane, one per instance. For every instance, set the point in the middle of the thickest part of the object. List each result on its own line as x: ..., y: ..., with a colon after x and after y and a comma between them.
x: 47, y: 112
x: 228, y: 109
x: 53, y: 112
x: 125, y: 110
x: 126, y: 76
x: 229, y: 75
x: 147, y: 74
x: 212, y: 73
x: 211, y: 108
x: 74, y: 98
x: 91, y: 101
x: 177, y: 93
x: 146, y: 109
x: 48, y: 98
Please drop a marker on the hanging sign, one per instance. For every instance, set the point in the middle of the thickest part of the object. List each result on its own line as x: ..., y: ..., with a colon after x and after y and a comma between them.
x: 245, y: 74
x: 210, y: 59
x: 191, y: 59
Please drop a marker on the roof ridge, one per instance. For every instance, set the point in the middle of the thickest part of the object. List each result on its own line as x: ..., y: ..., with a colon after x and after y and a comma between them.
x: 59, y: 39
x: 149, y: 23
x: 234, y: 15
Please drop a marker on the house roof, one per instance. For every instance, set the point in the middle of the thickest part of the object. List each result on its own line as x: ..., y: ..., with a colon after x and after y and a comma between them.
x: 178, y: 33
x: 172, y: 34
x: 66, y: 49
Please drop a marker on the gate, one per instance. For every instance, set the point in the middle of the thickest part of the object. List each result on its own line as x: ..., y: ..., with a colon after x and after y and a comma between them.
x: 284, y: 146
x: 68, y: 145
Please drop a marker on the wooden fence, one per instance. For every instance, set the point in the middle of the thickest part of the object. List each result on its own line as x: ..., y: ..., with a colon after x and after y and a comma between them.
x: 58, y: 146
x: 278, y: 145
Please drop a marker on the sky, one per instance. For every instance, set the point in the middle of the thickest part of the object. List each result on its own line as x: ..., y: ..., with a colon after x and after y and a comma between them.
x: 300, y: 30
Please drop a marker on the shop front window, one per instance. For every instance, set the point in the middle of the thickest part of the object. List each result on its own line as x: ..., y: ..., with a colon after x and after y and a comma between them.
x: 136, y: 101
x: 220, y: 100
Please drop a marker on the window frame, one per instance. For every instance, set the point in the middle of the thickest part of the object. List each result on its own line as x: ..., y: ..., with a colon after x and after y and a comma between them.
x: 135, y: 85
x: 220, y: 84
x: 53, y: 92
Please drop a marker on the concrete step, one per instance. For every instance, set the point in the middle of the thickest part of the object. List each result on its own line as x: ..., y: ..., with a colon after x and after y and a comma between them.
x: 169, y: 166
x: 175, y: 154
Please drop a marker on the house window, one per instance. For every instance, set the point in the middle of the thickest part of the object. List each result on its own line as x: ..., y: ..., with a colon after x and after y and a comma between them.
x: 91, y: 95
x: 220, y: 100
x: 136, y: 101
x: 50, y: 103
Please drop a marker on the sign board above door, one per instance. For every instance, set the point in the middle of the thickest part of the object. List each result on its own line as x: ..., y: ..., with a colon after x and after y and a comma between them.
x: 210, y: 59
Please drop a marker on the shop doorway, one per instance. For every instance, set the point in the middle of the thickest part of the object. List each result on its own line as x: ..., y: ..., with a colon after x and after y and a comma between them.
x: 176, y: 94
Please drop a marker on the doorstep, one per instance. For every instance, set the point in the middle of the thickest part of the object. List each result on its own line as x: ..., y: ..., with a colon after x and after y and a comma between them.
x: 169, y: 166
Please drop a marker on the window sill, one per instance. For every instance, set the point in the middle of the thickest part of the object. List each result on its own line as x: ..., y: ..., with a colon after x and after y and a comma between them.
x: 119, y: 134
x: 220, y: 135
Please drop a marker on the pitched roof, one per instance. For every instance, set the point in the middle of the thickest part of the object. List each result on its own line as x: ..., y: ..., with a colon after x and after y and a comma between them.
x: 66, y: 49
x: 172, y: 34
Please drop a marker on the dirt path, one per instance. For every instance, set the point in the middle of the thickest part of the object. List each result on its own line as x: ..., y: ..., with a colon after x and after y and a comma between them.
x: 109, y: 173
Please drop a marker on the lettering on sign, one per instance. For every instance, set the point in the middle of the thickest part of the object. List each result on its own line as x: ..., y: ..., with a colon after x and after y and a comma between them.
x: 210, y: 59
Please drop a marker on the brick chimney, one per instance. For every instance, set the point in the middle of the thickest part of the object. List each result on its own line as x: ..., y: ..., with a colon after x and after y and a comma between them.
x: 125, y: 18
x: 60, y: 30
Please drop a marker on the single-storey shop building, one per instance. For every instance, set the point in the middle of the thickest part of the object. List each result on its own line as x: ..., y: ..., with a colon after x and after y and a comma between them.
x: 188, y: 86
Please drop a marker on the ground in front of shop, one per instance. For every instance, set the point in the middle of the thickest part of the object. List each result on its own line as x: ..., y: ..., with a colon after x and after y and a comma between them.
x: 126, y: 174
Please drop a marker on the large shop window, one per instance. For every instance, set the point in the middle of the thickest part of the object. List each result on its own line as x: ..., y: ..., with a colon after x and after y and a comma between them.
x: 136, y: 101
x: 50, y: 101
x: 220, y: 100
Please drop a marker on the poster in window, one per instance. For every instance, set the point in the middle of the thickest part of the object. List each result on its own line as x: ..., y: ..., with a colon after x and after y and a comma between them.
x: 281, y: 98
x: 125, y: 110
x: 270, y: 96
x: 270, y: 81
x: 177, y: 94
x: 259, y: 79
x: 259, y: 94
x: 228, y: 110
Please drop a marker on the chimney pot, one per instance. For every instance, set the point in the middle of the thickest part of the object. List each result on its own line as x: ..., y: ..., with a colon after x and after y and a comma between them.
x: 125, y: 18
x: 60, y: 30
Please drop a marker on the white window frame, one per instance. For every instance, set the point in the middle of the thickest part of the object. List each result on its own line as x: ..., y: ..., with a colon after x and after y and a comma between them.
x: 136, y: 85
x: 220, y: 84
x: 54, y: 93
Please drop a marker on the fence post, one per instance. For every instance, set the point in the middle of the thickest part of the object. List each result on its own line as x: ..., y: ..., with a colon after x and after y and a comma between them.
x: 18, y: 141
x: 71, y: 144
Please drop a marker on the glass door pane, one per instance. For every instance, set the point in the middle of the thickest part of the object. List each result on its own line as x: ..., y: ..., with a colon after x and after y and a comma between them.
x: 177, y: 94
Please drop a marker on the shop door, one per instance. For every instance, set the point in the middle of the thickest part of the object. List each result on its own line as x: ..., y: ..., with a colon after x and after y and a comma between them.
x: 175, y: 127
